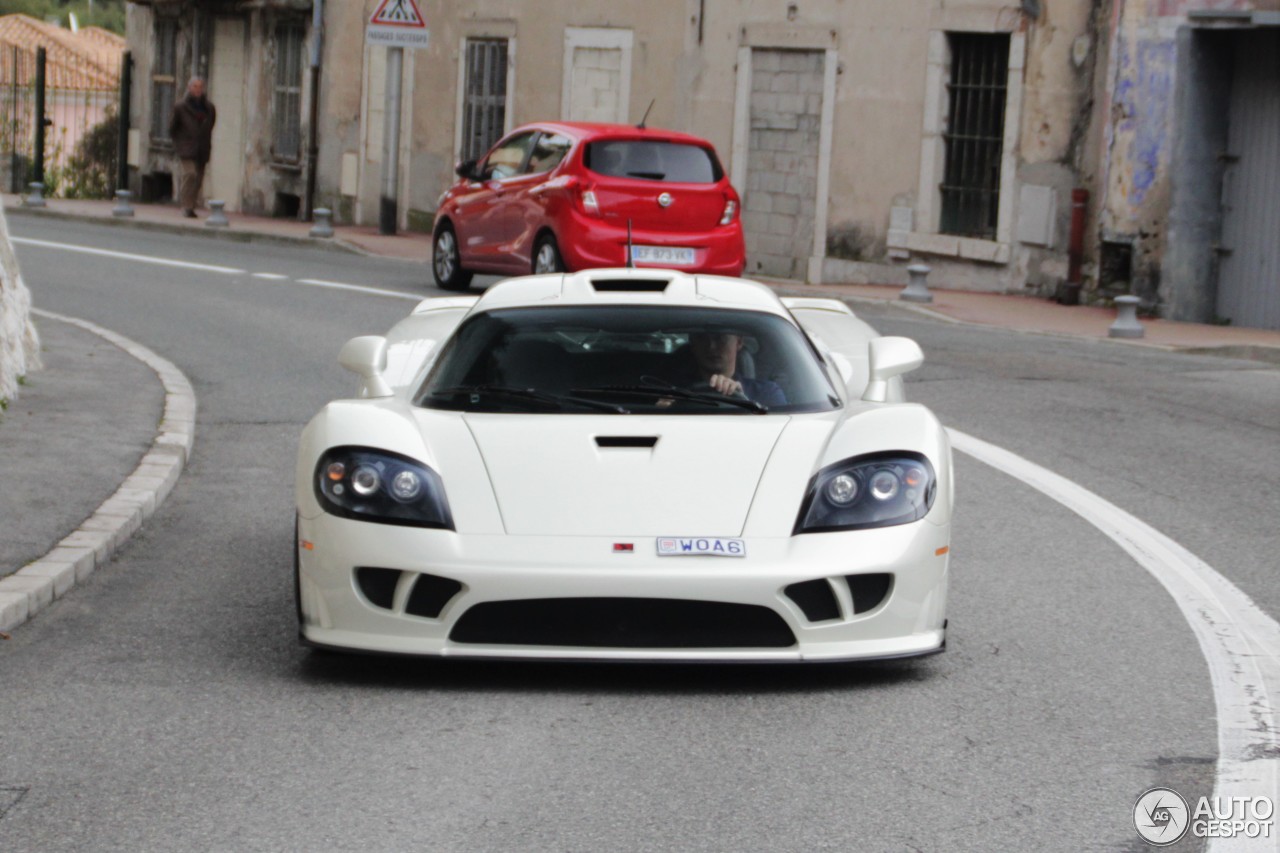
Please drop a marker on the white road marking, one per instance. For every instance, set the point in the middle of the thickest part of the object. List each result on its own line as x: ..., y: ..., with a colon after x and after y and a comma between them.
x: 173, y: 262
x: 127, y: 256
x: 1240, y: 642
x: 359, y: 288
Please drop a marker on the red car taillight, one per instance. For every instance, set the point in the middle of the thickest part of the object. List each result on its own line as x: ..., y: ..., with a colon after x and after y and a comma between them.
x: 730, y: 208
x: 587, y: 198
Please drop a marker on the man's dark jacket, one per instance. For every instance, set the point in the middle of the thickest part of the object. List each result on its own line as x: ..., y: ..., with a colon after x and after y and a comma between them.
x: 191, y: 128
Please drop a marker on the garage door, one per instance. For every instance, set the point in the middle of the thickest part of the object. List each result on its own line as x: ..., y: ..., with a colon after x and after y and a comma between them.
x: 1249, y: 277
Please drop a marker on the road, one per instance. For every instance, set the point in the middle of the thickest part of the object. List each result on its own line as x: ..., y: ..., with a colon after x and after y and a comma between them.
x: 165, y: 704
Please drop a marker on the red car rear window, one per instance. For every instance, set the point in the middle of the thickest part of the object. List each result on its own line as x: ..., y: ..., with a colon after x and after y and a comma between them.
x: 651, y: 160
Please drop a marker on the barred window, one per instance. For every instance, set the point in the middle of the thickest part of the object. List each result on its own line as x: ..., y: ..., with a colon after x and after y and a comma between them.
x: 164, y: 80
x: 286, y: 117
x: 484, y: 106
x: 975, y: 134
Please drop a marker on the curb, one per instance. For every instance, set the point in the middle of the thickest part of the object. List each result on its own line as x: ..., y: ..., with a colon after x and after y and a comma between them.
x: 332, y: 244
x: 36, y: 585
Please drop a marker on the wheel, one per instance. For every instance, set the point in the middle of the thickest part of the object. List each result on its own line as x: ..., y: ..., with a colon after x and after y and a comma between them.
x: 546, y: 256
x: 446, y: 263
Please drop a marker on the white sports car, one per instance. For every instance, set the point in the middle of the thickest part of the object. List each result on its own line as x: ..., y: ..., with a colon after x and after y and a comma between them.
x: 626, y: 464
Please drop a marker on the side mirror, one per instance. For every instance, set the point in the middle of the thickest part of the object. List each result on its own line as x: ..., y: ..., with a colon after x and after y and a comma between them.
x: 466, y: 169
x: 887, y: 359
x: 367, y: 357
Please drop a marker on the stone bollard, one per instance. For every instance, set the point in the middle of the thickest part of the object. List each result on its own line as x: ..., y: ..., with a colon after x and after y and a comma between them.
x: 1126, y: 324
x: 324, y: 222
x: 122, y: 207
x: 217, y: 217
x: 917, y: 290
x: 36, y: 197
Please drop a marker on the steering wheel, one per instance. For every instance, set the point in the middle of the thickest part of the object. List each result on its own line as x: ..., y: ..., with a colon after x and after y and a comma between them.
x: 708, y: 388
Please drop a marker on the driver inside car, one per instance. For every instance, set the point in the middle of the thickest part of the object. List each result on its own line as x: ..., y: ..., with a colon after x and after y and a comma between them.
x: 716, y: 356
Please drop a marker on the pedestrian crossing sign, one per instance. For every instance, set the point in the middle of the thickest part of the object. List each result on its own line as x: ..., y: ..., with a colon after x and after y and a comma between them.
x: 397, y: 23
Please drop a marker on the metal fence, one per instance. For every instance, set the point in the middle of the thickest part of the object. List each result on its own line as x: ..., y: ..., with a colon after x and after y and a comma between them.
x: 81, y: 103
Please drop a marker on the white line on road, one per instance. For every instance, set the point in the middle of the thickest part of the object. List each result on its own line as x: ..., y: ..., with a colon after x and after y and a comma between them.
x: 359, y: 288
x: 1240, y: 642
x: 127, y: 256
x: 271, y: 276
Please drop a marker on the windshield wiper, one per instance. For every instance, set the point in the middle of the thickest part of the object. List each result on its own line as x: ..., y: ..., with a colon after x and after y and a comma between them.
x: 652, y: 176
x: 658, y: 391
x: 475, y: 392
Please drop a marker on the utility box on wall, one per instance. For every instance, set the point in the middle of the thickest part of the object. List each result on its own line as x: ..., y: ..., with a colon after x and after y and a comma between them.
x: 1037, y: 215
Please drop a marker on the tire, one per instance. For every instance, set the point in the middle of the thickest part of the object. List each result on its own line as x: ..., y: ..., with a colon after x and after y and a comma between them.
x: 446, y: 262
x: 546, y: 256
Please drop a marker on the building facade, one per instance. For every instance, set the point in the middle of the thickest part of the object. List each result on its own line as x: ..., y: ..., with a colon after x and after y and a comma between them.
x: 862, y: 135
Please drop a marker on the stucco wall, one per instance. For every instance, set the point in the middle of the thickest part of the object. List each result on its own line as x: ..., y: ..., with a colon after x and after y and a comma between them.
x: 1141, y: 137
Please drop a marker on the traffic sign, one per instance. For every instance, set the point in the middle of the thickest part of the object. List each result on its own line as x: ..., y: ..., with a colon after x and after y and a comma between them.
x: 397, y: 23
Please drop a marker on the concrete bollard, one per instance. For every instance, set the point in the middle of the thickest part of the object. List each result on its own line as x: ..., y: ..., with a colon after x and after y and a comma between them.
x: 217, y: 217
x: 917, y: 290
x: 35, y: 198
x: 122, y: 207
x: 324, y: 222
x: 1126, y: 324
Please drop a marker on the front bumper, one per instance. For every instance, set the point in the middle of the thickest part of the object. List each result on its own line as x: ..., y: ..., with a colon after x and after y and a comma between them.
x: 908, y: 621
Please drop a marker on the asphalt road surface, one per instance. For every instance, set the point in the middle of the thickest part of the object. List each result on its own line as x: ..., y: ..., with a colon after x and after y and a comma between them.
x: 166, y: 705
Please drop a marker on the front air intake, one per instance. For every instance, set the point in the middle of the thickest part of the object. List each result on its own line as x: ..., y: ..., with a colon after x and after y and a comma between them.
x: 430, y: 594
x: 623, y: 623
x: 378, y: 585
x: 816, y: 599
x: 869, y: 591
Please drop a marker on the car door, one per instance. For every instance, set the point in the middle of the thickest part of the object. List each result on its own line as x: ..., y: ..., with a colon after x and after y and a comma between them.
x: 482, y: 225
x: 525, y: 203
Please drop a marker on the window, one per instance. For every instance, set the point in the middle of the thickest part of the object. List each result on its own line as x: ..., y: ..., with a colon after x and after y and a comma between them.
x: 547, y: 153
x: 484, y: 107
x: 974, y: 135
x: 625, y: 359
x: 286, y: 118
x: 653, y: 161
x: 164, y: 82
x: 508, y: 160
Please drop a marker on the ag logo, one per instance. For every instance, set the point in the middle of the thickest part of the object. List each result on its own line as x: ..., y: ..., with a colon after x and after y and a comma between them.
x: 1161, y: 817
x: 665, y: 200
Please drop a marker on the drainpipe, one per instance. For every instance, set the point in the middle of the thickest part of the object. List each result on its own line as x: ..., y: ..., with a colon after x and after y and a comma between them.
x: 313, y: 143
x: 122, y: 117
x: 1069, y: 292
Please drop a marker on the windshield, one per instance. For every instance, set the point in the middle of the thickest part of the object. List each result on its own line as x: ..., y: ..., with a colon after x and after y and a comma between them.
x: 653, y: 161
x: 628, y: 359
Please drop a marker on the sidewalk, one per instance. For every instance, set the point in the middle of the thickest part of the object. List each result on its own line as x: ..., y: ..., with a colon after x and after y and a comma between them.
x: 1021, y: 313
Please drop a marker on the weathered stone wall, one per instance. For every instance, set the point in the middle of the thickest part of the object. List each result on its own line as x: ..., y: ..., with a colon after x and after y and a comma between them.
x: 19, y: 340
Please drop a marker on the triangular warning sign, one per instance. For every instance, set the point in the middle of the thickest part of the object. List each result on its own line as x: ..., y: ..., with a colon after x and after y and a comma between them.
x: 398, y: 13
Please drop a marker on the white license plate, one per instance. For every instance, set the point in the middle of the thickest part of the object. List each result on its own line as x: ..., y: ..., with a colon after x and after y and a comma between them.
x: 665, y: 255
x: 700, y: 546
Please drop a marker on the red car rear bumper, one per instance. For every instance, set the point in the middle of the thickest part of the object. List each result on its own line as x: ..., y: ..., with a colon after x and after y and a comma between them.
x: 588, y: 242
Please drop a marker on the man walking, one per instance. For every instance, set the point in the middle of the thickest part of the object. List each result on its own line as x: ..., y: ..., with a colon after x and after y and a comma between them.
x: 191, y: 129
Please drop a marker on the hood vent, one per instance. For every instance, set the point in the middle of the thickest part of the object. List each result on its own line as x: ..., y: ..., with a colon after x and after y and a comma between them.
x: 626, y: 440
x: 629, y: 285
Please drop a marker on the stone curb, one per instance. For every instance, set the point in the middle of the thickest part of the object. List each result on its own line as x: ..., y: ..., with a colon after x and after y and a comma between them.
x: 36, y: 585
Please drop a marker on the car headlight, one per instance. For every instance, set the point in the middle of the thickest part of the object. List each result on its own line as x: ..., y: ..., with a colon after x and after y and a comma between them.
x: 876, y: 490
x: 381, y: 486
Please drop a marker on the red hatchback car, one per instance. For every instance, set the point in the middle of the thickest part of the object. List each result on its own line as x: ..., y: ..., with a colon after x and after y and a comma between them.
x: 560, y: 196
